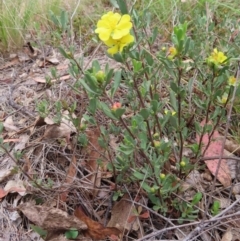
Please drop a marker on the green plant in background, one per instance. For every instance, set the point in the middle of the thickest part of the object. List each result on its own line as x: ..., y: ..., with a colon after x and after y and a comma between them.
x: 189, y: 210
x: 71, y: 234
x: 157, y: 127
x: 215, y: 209
x: 154, y: 126
x: 43, y: 108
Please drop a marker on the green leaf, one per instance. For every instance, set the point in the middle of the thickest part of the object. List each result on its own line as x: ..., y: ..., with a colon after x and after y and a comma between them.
x: 39, y: 230
x: 144, y: 113
x: 118, y: 57
x: 106, y: 110
x: 173, y: 100
x: 197, y: 197
x: 154, y: 105
x: 137, y: 65
x: 83, y: 83
x: 149, y: 58
x: 92, y: 105
x: 91, y: 81
x: 174, y: 87
x: 143, y: 140
x: 64, y: 20
x: 1, y: 127
x: 119, y: 112
x: 108, y: 77
x: 71, y: 234
x: 146, y: 187
x: 187, y: 45
x: 123, y: 6
x: 64, y: 53
x: 114, y: 3
x: 139, y: 175
x: 96, y: 66
x: 117, y: 79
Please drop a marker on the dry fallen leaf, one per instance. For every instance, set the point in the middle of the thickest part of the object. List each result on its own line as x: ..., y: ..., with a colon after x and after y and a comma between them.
x: 95, y: 230
x: 50, y: 218
x: 227, y: 235
x: 63, y: 130
x: 121, y: 212
x: 72, y: 170
x: 14, y: 61
x: 13, y: 186
x: 93, y: 154
x: 214, y: 149
x: 42, y: 80
x: 23, y: 139
x: 9, y: 125
x: 6, y: 168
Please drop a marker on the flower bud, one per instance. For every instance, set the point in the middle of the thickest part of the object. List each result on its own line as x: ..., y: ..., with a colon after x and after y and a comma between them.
x: 83, y: 127
x: 152, y: 189
x: 182, y: 163
x: 156, y: 143
x: 162, y: 176
x: 100, y: 76
x: 116, y: 105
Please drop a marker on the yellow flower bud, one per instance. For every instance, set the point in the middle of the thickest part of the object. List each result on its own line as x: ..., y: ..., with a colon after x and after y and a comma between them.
x: 156, y: 143
x: 100, y: 76
x: 182, y: 163
x: 152, y: 189
x: 162, y: 176
x: 232, y: 81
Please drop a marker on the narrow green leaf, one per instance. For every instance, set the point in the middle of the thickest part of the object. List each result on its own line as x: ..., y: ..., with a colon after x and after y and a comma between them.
x: 173, y: 100
x: 63, y: 53
x: 117, y: 80
x: 154, y: 105
x: 39, y: 230
x: 139, y: 175
x: 123, y: 6
x: 106, y: 110
x: 96, y: 66
x: 71, y: 234
x: 83, y: 83
x: 64, y: 20
x: 92, y: 105
x: 197, y: 197
x: 114, y: 3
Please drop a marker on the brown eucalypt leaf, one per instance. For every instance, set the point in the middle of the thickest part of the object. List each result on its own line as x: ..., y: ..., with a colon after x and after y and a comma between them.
x: 93, y: 154
x: 72, y: 170
x: 96, y: 230
x: 215, y: 149
x: 138, y: 213
x: 49, y: 218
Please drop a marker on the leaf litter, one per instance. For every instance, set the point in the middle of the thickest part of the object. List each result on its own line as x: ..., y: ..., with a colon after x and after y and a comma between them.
x: 69, y: 175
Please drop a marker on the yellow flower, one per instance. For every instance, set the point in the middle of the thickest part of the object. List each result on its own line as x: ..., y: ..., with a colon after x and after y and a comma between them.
x: 172, y: 112
x: 118, y: 45
x: 113, y: 25
x: 216, y: 57
x: 172, y: 52
x: 232, y: 81
x: 224, y: 98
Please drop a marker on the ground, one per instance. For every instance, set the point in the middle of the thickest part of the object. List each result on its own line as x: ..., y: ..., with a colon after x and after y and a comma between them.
x: 49, y: 182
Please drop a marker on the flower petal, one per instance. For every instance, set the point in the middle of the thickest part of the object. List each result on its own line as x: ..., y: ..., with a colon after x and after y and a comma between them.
x: 113, y: 50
